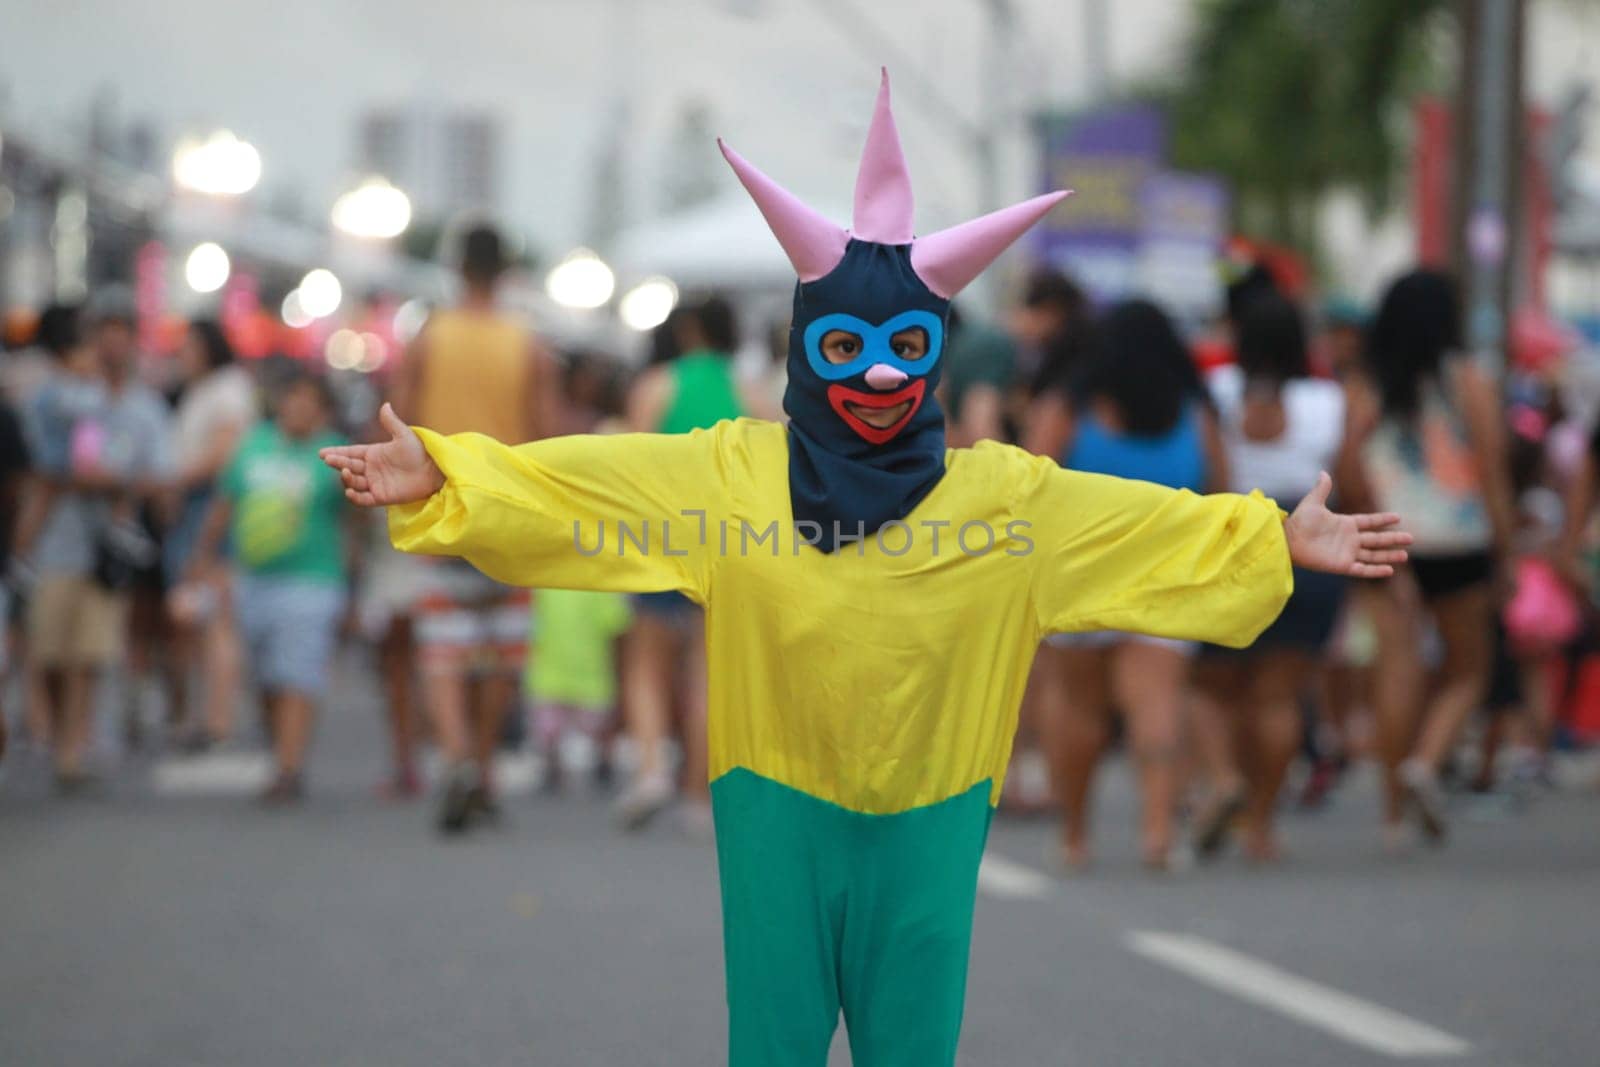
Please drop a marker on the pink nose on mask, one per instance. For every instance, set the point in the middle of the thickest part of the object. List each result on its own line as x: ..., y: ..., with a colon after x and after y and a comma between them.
x: 883, y: 376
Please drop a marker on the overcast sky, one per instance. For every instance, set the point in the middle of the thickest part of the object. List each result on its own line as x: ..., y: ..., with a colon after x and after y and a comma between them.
x: 789, y: 82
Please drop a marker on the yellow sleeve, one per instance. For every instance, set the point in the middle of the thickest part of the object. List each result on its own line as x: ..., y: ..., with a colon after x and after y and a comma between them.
x: 620, y: 512
x: 1113, y: 554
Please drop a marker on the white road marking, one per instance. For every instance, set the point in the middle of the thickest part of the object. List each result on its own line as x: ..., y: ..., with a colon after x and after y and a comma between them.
x: 1357, y: 1021
x: 1011, y: 881
x: 243, y: 773
x: 515, y: 773
x: 220, y: 774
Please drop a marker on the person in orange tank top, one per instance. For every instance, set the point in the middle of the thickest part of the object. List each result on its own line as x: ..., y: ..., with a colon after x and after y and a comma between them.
x: 474, y: 368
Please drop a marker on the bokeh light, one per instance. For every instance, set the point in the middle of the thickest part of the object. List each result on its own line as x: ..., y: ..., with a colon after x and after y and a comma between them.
x: 219, y: 165
x: 582, y: 280
x: 373, y: 209
x: 207, y: 268
x: 647, y: 305
x: 320, y: 293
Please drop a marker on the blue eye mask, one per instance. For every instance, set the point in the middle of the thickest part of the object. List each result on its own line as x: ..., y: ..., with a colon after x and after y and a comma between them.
x: 876, y: 344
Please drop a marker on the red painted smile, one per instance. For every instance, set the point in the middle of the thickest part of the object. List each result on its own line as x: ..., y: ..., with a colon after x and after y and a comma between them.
x: 877, y: 417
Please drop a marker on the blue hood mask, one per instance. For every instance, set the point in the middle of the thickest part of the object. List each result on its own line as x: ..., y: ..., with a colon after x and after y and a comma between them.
x: 868, y: 337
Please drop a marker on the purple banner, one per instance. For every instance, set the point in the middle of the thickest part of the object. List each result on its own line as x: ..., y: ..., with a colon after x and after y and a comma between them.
x: 1184, y: 218
x: 1104, y: 157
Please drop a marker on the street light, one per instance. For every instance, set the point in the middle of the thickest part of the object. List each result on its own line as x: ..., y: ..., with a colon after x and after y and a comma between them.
x: 647, y: 305
x: 320, y: 293
x: 207, y: 268
x: 373, y: 209
x: 219, y: 165
x: 582, y: 280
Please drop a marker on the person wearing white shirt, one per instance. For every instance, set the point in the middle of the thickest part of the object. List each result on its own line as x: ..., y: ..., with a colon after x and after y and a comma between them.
x: 1281, y: 430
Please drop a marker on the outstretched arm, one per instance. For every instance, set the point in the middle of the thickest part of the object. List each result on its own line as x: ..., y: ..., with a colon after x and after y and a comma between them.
x: 1124, y: 555
x: 1358, y: 546
x: 625, y: 512
x: 386, y: 473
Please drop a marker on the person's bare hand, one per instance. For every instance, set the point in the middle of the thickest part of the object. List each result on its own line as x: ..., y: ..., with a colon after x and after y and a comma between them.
x: 396, y: 471
x: 1358, y: 546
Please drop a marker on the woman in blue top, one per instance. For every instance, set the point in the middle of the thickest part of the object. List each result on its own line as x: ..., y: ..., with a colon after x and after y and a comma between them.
x: 1136, y: 408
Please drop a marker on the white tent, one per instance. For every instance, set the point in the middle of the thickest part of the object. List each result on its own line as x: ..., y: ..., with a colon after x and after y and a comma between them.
x: 723, y: 244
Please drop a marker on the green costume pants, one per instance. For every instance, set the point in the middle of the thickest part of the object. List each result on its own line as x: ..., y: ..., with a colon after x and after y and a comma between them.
x: 825, y: 909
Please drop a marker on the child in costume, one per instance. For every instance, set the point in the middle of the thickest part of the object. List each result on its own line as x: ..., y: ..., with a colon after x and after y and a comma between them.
x: 873, y: 601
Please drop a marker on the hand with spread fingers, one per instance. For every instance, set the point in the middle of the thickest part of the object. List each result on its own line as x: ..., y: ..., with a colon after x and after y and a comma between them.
x: 1359, y: 546
x: 396, y: 471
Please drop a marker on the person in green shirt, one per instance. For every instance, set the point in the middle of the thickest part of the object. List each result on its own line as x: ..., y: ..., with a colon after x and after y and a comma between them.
x: 980, y: 362
x: 284, y: 512
x: 691, y: 387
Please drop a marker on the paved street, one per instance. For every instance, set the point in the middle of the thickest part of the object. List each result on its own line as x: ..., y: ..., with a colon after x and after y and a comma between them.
x: 174, y: 923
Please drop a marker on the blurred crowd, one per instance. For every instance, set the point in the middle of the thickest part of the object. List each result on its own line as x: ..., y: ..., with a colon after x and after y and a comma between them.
x: 172, y: 539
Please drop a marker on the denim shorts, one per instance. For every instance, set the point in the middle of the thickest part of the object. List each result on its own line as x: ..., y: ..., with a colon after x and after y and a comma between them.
x: 1098, y: 639
x: 670, y: 606
x: 290, y: 628
x: 183, y: 537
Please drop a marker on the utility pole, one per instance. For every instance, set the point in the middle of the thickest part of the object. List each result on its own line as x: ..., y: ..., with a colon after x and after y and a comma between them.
x: 1097, y: 49
x: 1489, y: 153
x: 996, y: 75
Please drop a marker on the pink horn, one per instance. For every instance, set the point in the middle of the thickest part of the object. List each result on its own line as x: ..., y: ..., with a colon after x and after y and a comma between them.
x: 883, y: 185
x: 948, y: 260
x: 813, y: 244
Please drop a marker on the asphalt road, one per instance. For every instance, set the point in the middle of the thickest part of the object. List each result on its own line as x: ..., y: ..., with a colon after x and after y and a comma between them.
x: 175, y: 923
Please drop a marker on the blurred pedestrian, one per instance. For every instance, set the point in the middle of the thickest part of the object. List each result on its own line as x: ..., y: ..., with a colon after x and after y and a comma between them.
x: 571, y: 680
x: 1134, y: 411
x: 1337, y: 353
x: 692, y: 388
x: 102, y: 441
x: 14, y: 467
x: 1050, y: 327
x: 283, y: 516
x: 980, y: 362
x: 217, y: 405
x: 1052, y: 307
x: 1281, y: 429
x: 474, y: 368
x: 1429, y: 426
x: 58, y: 328
x: 56, y: 342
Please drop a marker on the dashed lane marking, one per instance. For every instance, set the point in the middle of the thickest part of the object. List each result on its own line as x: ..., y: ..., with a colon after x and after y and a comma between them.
x: 1360, y: 1022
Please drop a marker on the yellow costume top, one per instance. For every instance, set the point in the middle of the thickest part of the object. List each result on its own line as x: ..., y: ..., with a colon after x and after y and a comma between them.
x: 886, y: 675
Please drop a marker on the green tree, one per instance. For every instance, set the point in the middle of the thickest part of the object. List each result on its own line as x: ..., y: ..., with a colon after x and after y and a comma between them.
x: 1291, y: 99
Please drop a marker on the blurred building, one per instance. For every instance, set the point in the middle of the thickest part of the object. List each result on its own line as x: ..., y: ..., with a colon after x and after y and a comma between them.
x: 448, y: 163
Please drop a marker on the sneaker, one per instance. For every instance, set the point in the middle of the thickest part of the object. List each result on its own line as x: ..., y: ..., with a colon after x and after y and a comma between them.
x: 1173, y: 861
x: 698, y: 825
x: 405, y: 785
x: 1215, y: 823
x: 1426, y: 797
x: 644, y: 800
x: 455, y: 803
x: 1067, y: 860
x: 482, y: 806
x: 1320, y: 783
x: 287, y: 789
x: 79, y: 783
